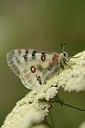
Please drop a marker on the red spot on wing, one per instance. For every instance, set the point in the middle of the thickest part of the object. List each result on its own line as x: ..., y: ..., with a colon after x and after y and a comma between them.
x: 39, y: 79
x: 55, y: 57
x: 43, y: 57
x: 33, y: 69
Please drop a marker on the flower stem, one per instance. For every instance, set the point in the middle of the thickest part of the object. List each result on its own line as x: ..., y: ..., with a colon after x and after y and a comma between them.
x: 58, y: 100
x: 52, y: 119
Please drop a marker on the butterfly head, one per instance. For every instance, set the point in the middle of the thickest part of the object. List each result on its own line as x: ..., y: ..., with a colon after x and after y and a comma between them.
x: 64, y: 54
x: 63, y: 57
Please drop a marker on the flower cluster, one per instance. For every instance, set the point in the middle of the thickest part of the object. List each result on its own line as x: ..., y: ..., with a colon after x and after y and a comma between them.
x: 33, y: 108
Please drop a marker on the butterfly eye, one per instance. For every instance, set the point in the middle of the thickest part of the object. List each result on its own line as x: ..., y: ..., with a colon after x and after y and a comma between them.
x: 64, y: 54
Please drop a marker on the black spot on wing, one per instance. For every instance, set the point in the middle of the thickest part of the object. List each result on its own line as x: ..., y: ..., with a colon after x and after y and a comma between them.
x: 43, y: 53
x: 26, y: 52
x: 26, y: 55
x: 40, y: 82
x: 33, y: 54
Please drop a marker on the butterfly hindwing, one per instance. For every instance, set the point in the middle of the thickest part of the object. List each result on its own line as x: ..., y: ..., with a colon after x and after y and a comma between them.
x: 29, y: 65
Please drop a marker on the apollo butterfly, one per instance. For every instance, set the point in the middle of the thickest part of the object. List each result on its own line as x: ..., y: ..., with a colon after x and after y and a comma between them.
x: 34, y: 67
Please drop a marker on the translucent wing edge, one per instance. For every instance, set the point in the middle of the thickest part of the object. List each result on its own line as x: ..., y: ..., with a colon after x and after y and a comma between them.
x: 10, y: 60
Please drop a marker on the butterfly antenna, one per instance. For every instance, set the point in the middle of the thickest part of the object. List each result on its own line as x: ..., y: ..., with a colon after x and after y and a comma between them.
x: 63, y: 46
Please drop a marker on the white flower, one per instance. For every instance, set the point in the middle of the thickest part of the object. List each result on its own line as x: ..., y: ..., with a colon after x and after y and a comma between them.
x: 82, y: 125
x: 33, y: 108
x: 51, y: 93
x: 72, y: 79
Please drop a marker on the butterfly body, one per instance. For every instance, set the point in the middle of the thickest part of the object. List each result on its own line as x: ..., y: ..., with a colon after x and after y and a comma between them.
x: 34, y: 67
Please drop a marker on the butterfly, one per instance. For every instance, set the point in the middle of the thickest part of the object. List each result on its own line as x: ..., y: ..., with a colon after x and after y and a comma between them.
x: 34, y: 67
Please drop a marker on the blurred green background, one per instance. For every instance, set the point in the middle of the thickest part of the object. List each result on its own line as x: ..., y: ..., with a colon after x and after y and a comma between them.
x: 41, y: 24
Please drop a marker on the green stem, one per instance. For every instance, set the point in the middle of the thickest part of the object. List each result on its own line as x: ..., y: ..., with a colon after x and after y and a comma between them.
x: 52, y: 119
x: 58, y: 100
x: 83, y: 92
x: 46, y: 122
x: 73, y: 107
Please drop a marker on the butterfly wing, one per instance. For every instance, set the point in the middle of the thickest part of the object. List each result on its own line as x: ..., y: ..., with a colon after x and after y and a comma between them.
x: 29, y: 65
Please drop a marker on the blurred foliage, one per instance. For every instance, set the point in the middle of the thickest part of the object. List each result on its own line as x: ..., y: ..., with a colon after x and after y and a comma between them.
x: 40, y: 24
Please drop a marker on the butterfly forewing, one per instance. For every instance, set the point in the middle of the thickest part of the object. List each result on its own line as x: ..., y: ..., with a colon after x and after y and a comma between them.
x: 29, y: 65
